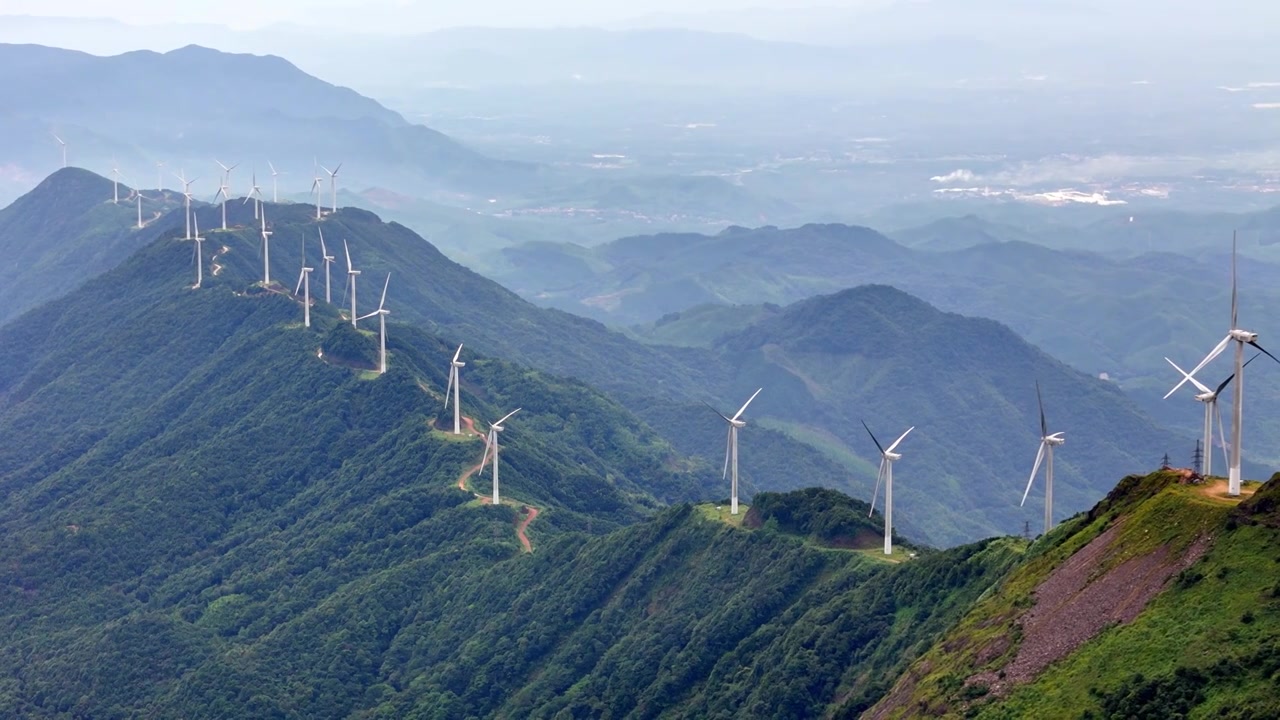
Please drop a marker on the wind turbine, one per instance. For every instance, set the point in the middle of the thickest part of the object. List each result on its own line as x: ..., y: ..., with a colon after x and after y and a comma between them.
x: 139, y: 198
x: 382, y: 314
x: 160, y: 177
x: 115, y: 182
x: 454, y: 366
x: 333, y: 184
x: 887, y: 457
x: 199, y: 256
x: 491, y: 451
x: 64, y: 148
x: 186, y: 194
x: 1241, y: 338
x: 255, y: 194
x: 731, y: 450
x: 304, y: 283
x: 1210, y: 400
x: 328, y: 260
x: 275, y: 184
x: 1047, y: 443
x: 315, y: 188
x: 351, y: 282
x: 266, y: 251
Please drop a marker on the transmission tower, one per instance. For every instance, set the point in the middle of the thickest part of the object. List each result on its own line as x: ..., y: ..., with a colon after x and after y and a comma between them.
x: 1197, y: 459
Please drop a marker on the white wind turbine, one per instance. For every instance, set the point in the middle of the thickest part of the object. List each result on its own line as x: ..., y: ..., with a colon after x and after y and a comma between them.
x: 266, y: 250
x: 224, y: 189
x: 186, y: 197
x: 454, y: 366
x: 64, y: 148
x: 491, y: 451
x: 275, y: 183
x: 115, y: 182
x: 226, y: 172
x: 255, y: 194
x: 160, y: 177
x: 1210, y: 400
x: 138, y: 193
x: 199, y: 258
x: 333, y: 184
x: 315, y: 190
x: 887, y: 458
x: 304, y: 283
x: 352, y: 273
x: 328, y: 260
x: 731, y: 450
x: 1241, y: 338
x: 1048, y: 441
x: 382, y: 314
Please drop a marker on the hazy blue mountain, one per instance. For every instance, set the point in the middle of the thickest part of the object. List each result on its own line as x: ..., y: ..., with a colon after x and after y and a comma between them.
x: 139, y: 107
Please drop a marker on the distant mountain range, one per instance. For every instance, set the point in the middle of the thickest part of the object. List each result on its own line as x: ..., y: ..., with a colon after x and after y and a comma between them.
x: 803, y: 427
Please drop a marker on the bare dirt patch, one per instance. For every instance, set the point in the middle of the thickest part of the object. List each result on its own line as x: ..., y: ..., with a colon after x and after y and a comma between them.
x: 1072, y: 606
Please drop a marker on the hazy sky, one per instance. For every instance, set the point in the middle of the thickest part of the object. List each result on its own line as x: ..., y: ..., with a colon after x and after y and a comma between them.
x: 399, y: 15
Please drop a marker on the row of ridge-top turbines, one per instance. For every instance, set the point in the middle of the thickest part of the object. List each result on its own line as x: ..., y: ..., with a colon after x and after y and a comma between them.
x: 1048, y: 440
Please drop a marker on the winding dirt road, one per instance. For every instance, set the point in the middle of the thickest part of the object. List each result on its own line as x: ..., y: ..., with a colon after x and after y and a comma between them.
x: 529, y: 511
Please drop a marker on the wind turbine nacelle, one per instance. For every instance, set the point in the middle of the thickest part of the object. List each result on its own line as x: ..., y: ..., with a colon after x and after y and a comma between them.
x: 459, y: 364
x: 1055, y: 439
x: 892, y: 456
x: 1244, y: 336
x: 738, y: 423
x: 1207, y: 397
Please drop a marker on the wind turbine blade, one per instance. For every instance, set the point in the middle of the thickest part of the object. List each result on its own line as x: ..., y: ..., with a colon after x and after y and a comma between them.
x: 900, y: 438
x: 383, y: 301
x: 508, y: 415
x: 876, y: 493
x: 347, y: 250
x: 728, y: 445
x: 1208, y: 359
x: 1044, y: 426
x: 366, y: 317
x: 748, y: 402
x: 1188, y: 378
x: 453, y: 373
x: 323, y: 250
x: 1234, y: 303
x: 1035, y: 469
x: 300, y: 276
x: 726, y: 418
x: 335, y: 170
x: 273, y: 168
x: 489, y: 440
x: 873, y: 438
x: 455, y: 355
x: 1256, y: 345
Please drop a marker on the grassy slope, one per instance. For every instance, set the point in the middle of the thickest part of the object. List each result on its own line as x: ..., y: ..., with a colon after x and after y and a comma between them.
x: 1221, y: 611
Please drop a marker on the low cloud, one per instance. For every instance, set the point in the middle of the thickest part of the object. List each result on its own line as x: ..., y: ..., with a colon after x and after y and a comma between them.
x: 955, y: 176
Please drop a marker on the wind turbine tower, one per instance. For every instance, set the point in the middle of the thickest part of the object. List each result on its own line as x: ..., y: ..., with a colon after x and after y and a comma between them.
x: 199, y: 256
x: 328, y: 260
x: 304, y: 283
x: 333, y: 185
x: 139, y: 198
x: 266, y: 250
x: 255, y: 194
x: 382, y: 314
x: 1048, y: 441
x: 352, y: 273
x: 887, y: 458
x: 315, y: 190
x: 1240, y: 338
x: 454, y: 366
x: 731, y: 450
x: 160, y: 177
x: 491, y: 451
x: 115, y: 182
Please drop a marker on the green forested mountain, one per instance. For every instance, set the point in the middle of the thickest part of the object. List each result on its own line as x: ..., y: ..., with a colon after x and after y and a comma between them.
x: 67, y: 230
x: 211, y: 511
x: 1163, y: 601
